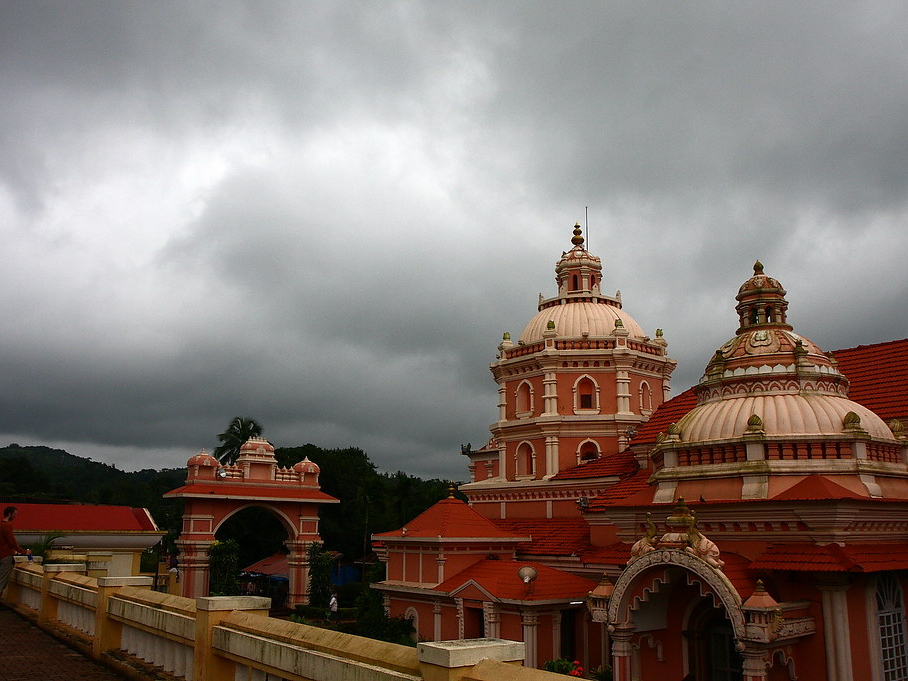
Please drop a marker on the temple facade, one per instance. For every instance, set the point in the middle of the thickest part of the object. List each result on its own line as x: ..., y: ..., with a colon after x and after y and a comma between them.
x: 754, y: 527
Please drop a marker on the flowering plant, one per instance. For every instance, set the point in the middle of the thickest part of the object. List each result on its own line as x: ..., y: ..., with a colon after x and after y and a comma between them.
x: 564, y: 666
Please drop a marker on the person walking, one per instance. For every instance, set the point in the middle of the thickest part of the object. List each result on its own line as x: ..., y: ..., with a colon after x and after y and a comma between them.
x: 9, y: 547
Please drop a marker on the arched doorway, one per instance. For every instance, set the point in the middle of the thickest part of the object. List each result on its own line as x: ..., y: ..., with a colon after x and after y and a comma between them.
x: 213, y: 493
x: 711, y: 645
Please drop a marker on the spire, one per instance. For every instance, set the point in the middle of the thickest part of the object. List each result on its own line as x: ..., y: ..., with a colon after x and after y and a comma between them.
x: 761, y: 302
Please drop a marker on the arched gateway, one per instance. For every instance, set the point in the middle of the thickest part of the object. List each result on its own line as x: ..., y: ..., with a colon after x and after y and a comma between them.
x: 675, y: 598
x: 213, y: 493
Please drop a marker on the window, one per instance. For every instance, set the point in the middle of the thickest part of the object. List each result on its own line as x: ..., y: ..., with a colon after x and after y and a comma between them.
x: 585, y: 396
x: 526, y: 462
x: 524, y: 405
x: 891, y: 622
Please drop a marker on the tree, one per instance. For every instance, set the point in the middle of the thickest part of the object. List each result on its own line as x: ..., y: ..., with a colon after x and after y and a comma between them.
x: 223, y: 568
x: 240, y: 429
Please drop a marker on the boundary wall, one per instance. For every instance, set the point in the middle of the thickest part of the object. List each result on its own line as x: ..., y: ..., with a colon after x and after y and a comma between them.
x: 145, y: 634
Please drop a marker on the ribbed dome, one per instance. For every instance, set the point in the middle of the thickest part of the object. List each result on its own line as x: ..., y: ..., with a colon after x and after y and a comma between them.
x: 203, y: 458
x: 573, y: 319
x: 306, y: 466
x: 781, y: 414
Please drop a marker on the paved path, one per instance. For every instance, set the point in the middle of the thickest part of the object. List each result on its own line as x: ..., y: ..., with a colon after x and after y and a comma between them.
x: 28, y: 654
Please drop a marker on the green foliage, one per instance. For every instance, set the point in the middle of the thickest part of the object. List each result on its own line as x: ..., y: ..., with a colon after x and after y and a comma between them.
x: 224, y: 567
x: 319, y: 575
x: 370, y: 501
x: 239, y: 430
x: 44, y: 544
x: 602, y: 673
x: 372, y: 620
x: 564, y: 666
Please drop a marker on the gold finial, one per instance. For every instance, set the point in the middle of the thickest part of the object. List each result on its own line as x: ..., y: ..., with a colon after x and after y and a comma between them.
x: 758, y: 268
x: 577, y: 239
x: 451, y: 489
x: 506, y: 336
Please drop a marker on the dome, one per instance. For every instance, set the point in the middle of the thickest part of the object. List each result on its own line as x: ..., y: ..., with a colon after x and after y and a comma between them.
x: 801, y: 413
x: 306, y: 467
x: 203, y: 458
x: 575, y: 318
x: 257, y: 446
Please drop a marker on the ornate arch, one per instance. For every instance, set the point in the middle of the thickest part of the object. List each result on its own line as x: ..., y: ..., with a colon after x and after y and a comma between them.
x: 645, y: 571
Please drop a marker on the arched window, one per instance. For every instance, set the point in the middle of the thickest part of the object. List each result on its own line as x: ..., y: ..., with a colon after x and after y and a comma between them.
x: 413, y: 616
x: 891, y: 622
x: 586, y: 394
x: 769, y: 314
x: 646, y: 398
x: 575, y: 283
x: 589, y: 450
x: 754, y: 316
x: 526, y: 460
x: 524, y: 405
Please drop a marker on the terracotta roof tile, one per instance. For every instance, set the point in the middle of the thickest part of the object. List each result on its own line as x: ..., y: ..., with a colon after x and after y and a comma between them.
x: 668, y: 413
x: 879, y: 376
x: 451, y: 518
x: 46, y: 518
x: 551, y: 536
x: 499, y: 578
x: 615, y: 464
x: 807, y: 557
x: 816, y: 487
x: 630, y: 491
x: 613, y: 554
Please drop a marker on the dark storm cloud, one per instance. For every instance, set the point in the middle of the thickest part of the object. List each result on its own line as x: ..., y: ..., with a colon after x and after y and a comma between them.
x: 325, y: 216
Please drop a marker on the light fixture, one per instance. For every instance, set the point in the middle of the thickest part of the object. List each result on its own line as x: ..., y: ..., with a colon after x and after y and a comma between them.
x: 527, y: 574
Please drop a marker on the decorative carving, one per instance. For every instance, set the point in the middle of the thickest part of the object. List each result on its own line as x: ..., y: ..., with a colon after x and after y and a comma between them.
x: 646, y: 543
x: 703, y: 548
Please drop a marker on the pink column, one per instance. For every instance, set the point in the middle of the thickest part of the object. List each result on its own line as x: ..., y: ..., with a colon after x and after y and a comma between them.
x: 193, y: 568
x: 621, y: 652
x: 298, y: 567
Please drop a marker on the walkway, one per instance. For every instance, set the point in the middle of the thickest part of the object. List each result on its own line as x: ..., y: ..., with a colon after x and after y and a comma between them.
x: 29, y: 654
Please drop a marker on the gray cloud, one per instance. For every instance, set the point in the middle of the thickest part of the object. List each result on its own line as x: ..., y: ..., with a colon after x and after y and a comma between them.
x: 325, y: 216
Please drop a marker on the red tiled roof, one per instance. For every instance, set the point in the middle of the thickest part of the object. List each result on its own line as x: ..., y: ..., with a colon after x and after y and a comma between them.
x: 806, y: 557
x: 879, y: 376
x: 451, y: 518
x: 630, y: 491
x: 550, y: 536
x: 272, y: 565
x: 45, y: 518
x: 613, y: 554
x: 499, y: 579
x: 816, y: 487
x: 668, y: 413
x: 615, y: 464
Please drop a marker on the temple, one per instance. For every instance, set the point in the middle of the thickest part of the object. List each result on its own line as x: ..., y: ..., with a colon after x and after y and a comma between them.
x: 753, y: 527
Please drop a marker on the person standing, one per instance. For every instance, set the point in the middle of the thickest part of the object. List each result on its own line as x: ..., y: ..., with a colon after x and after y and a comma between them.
x: 332, y: 606
x: 9, y: 547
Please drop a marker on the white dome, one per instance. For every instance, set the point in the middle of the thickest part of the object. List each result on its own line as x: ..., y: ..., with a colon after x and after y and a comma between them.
x: 574, y: 319
x: 781, y: 413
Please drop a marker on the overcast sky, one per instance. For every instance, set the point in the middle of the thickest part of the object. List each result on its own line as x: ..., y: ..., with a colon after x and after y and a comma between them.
x: 325, y: 215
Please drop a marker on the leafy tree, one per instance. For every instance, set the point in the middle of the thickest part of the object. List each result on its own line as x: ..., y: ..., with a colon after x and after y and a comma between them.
x: 319, y: 575
x: 224, y: 567
x: 238, y: 432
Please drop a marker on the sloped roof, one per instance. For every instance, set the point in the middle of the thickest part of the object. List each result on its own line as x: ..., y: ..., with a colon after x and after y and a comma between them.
x: 550, y: 536
x: 615, y: 464
x: 666, y: 414
x: 807, y: 557
x: 816, y: 487
x: 272, y: 565
x: 632, y: 490
x: 499, y: 579
x: 879, y: 376
x: 69, y: 518
x: 613, y: 554
x: 451, y: 519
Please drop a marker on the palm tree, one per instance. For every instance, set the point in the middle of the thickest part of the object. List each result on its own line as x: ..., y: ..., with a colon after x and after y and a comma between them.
x: 239, y: 430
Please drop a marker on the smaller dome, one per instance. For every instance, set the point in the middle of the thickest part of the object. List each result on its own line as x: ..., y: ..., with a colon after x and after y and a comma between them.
x: 306, y: 467
x: 760, y: 281
x: 203, y: 458
x: 256, y: 446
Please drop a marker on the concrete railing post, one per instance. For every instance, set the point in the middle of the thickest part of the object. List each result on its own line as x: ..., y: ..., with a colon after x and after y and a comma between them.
x: 210, y: 611
x: 108, y: 632
x: 48, y: 610
x: 451, y: 660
